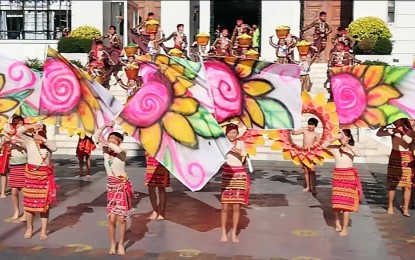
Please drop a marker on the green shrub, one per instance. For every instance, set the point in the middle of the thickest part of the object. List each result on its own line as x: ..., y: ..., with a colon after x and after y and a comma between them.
x: 369, y: 28
x: 74, y: 45
x: 375, y: 62
x: 383, y: 47
x: 85, y: 32
x: 34, y: 64
x: 77, y: 63
x: 365, y: 46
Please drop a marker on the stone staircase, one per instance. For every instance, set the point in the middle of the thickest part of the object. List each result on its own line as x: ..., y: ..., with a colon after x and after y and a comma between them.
x: 372, y: 149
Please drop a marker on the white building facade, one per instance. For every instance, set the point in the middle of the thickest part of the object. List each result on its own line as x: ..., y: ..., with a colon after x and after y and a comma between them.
x: 28, y: 27
x: 27, y: 36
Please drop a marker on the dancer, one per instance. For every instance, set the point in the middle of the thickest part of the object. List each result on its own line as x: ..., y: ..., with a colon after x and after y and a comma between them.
x: 401, y: 159
x: 310, y: 139
x: 83, y: 151
x: 347, y: 188
x: 17, y: 162
x: 222, y: 45
x: 235, y: 183
x: 281, y: 50
x: 321, y: 30
x: 305, y: 63
x: 157, y: 176
x: 239, y: 29
x: 4, y: 163
x: 119, y: 189
x: 179, y: 38
x: 114, y: 49
x: 40, y: 188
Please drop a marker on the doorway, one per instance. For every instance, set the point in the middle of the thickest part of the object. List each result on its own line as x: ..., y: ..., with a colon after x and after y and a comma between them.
x: 225, y: 13
x: 339, y: 14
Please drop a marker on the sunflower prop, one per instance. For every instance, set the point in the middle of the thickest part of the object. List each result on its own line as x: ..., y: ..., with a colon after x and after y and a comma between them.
x: 326, y: 113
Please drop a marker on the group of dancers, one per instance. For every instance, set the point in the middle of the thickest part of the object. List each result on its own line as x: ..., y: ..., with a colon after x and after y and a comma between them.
x: 26, y: 157
x: 30, y: 170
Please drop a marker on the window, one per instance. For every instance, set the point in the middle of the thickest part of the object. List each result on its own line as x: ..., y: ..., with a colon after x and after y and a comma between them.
x: 34, y: 20
x: 391, y: 11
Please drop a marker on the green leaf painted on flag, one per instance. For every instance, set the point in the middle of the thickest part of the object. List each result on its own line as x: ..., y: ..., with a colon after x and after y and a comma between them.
x: 168, y: 160
x: 394, y: 74
x: 277, y: 115
x: 21, y: 95
x: 392, y: 113
x: 205, y: 125
x: 27, y: 110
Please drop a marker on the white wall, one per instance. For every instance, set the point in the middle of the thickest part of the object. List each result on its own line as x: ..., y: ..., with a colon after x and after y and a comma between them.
x: 87, y: 13
x: 275, y: 13
x: 173, y: 13
x: 204, y: 24
x: 370, y: 8
x: 403, y: 30
x: 23, y: 49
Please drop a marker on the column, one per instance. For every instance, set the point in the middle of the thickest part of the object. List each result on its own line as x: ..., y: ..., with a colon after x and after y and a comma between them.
x: 275, y: 13
x: 173, y: 13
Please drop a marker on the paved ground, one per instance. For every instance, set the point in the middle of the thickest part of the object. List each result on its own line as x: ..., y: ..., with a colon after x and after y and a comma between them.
x: 281, y: 221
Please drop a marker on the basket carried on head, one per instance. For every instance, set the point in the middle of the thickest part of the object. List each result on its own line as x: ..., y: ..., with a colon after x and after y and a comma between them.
x: 202, y: 39
x: 132, y: 73
x: 303, y: 47
x: 244, y: 40
x: 130, y: 50
x: 176, y: 53
x: 282, y: 31
x: 152, y: 26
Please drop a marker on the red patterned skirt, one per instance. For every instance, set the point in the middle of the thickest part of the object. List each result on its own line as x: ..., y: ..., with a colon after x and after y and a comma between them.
x: 40, y: 190
x: 347, y: 189
x: 85, y: 147
x: 400, y: 169
x: 235, y: 185
x: 156, y: 174
x: 119, y: 196
x: 17, y: 176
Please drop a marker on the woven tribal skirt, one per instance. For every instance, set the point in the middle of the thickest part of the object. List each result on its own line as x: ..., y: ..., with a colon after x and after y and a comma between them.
x: 235, y: 185
x: 40, y: 190
x: 156, y: 174
x: 400, y: 171
x: 17, y: 176
x: 119, y: 196
x: 347, y: 189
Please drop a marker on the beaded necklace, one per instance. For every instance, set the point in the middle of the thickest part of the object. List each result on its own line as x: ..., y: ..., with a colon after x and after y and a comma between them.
x: 44, y: 157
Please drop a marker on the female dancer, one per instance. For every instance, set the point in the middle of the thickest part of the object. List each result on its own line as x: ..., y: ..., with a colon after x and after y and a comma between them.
x: 347, y: 189
x: 235, y: 182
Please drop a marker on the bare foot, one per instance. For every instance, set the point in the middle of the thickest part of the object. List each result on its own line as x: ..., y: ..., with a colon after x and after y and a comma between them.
x: 28, y: 234
x: 235, y: 239
x: 23, y: 218
x: 224, y: 239
x: 343, y: 233
x: 121, y: 249
x: 338, y: 226
x: 15, y: 216
x: 153, y: 216
x: 406, y: 213
x: 160, y: 217
x: 112, y: 249
x: 43, y: 236
x: 390, y: 211
x: 306, y: 189
x: 3, y: 196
